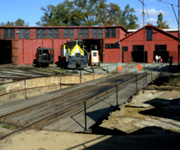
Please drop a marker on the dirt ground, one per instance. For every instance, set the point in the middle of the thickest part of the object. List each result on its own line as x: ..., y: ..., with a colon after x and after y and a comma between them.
x: 150, y: 120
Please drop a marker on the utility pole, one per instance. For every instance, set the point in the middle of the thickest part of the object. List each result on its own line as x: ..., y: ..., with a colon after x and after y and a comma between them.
x: 178, y: 27
x: 143, y: 34
x: 178, y: 22
x: 142, y: 2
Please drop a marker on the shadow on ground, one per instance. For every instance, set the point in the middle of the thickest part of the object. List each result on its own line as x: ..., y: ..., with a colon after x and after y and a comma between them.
x: 135, y: 141
x: 167, y: 69
x: 148, y: 138
x: 164, y: 108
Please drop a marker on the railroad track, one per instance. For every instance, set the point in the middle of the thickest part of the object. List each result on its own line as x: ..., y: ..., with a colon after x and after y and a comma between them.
x: 67, y: 102
x: 19, y: 73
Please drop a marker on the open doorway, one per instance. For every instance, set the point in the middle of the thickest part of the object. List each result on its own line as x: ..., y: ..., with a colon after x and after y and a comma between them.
x: 94, y: 44
x: 138, y: 54
x: 6, y: 51
x: 163, y: 54
x: 161, y: 50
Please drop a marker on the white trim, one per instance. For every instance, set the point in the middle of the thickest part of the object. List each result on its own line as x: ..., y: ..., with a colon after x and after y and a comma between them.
x: 167, y: 30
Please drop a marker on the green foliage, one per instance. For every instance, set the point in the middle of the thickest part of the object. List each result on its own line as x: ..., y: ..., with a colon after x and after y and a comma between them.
x: 7, y: 24
x: 160, y: 23
x: 160, y: 18
x: 88, y: 13
x: 6, y: 126
x: 128, y: 19
x: 18, y: 22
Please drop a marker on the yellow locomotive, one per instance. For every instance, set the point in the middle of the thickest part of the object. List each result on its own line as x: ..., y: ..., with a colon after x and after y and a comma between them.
x: 73, y: 55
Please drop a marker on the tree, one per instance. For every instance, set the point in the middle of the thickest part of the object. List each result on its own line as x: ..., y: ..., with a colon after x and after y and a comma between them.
x: 8, y: 23
x: 128, y: 19
x: 61, y: 15
x: 87, y: 13
x: 160, y: 23
x: 113, y: 13
x: 18, y: 22
x: 101, y: 14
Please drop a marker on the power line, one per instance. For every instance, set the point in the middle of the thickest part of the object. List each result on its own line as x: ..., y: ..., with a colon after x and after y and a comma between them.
x: 141, y: 1
x: 145, y: 13
x: 172, y: 5
x: 167, y: 3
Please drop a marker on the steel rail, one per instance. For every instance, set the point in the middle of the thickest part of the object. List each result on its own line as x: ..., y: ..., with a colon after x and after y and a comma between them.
x: 112, y: 86
x: 32, y: 106
x: 41, y: 103
x: 57, y: 114
x: 35, y: 123
x: 66, y: 84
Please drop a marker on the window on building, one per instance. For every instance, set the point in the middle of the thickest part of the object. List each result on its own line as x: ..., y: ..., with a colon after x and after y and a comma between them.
x: 149, y: 34
x: 83, y: 33
x: 138, y: 47
x: 112, y: 46
x: 97, y: 33
x: 9, y: 33
x: 100, y: 33
x: 21, y: 33
x: 160, y: 47
x: 110, y: 33
x: 65, y: 33
x: 27, y: 33
x: 113, y: 33
x: 56, y: 33
x: 80, y: 33
x: 44, y: 33
x: 94, y: 33
x: 86, y: 33
x: 71, y: 31
x: 124, y: 48
x: 50, y: 33
x: 12, y: 33
x: 107, y: 33
x: 6, y: 34
x: 38, y: 34
x: 24, y: 34
x: 68, y: 33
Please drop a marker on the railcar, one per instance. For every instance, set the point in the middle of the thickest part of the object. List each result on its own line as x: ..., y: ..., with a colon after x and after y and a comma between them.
x: 94, y: 58
x: 73, y: 55
x: 44, y: 57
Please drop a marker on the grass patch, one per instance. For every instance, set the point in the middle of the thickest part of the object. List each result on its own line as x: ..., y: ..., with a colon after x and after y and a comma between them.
x: 9, y: 126
x: 6, y: 126
x: 131, y: 112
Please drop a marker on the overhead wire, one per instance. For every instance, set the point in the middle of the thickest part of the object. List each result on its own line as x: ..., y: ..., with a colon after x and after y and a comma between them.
x: 167, y: 3
x: 159, y: 49
x: 145, y: 13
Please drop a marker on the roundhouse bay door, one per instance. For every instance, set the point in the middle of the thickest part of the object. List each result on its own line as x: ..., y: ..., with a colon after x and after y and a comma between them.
x: 15, y: 52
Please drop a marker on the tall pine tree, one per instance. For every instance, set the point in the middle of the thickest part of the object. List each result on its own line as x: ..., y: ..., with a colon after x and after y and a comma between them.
x: 88, y: 13
x: 160, y: 23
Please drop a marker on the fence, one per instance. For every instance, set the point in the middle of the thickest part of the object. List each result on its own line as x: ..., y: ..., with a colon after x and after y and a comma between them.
x: 36, y: 86
x: 119, y: 93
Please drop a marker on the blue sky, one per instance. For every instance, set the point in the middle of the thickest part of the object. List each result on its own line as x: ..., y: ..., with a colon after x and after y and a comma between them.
x: 30, y: 10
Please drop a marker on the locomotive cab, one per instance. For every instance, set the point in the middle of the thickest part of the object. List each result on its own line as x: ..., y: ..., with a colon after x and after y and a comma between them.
x: 76, y: 59
x: 44, y: 56
x: 94, y: 58
x: 73, y: 55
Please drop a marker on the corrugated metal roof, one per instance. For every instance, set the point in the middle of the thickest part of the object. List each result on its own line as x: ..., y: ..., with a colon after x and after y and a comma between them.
x: 60, y: 27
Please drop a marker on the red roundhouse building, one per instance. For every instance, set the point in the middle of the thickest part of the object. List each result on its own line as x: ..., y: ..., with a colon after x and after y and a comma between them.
x: 18, y: 45
x: 148, y: 42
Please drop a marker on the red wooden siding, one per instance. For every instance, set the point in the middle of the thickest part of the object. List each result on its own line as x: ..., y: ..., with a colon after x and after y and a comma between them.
x: 159, y: 37
x: 25, y: 49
